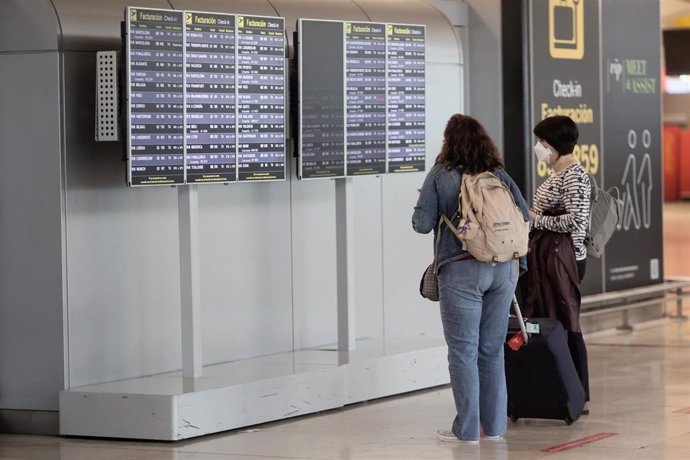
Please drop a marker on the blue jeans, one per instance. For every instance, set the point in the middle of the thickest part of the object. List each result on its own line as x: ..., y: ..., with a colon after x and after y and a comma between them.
x: 475, y: 303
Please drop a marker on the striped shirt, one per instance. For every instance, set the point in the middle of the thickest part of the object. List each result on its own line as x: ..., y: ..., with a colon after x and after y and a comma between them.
x: 565, y: 193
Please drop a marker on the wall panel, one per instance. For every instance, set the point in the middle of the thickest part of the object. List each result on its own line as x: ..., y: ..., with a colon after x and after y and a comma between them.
x: 31, y: 229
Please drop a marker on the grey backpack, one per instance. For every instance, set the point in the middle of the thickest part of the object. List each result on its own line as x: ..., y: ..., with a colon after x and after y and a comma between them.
x: 603, y: 217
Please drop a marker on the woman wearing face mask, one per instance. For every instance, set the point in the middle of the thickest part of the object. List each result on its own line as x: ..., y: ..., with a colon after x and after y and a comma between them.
x: 561, y: 205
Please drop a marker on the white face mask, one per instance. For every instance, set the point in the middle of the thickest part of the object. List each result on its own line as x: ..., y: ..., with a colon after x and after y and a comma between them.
x: 542, y: 153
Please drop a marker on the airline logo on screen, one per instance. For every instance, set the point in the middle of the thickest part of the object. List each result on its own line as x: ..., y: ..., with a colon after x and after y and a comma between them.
x: 567, y: 29
x: 133, y: 15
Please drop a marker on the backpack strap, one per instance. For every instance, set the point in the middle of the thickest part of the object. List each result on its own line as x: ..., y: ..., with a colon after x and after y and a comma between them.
x: 593, y: 186
x: 618, y: 193
x: 455, y: 231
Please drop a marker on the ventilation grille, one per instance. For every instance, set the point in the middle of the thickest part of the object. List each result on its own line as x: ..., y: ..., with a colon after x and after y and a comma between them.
x: 107, y: 97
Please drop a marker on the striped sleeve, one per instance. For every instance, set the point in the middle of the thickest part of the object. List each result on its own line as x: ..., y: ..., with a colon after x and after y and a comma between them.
x: 574, y: 196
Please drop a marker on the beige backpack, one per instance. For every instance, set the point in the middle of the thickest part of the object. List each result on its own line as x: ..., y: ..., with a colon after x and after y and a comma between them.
x: 492, y: 227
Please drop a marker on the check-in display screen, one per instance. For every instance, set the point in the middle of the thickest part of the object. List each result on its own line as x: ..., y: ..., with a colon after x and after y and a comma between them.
x: 205, y: 97
x: 361, y: 98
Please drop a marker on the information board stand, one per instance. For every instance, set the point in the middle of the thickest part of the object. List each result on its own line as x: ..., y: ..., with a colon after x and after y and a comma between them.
x: 190, y: 289
x: 345, y: 270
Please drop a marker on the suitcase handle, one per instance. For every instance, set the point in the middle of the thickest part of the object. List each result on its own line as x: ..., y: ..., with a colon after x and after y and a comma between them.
x: 521, y: 321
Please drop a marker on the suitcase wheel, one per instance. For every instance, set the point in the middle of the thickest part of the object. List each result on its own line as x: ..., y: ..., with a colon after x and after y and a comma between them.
x: 514, y: 419
x: 568, y: 420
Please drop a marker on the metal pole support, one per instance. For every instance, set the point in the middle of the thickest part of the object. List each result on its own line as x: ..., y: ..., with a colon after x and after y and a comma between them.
x: 344, y: 234
x: 190, y: 290
x: 626, y: 322
x: 679, y: 306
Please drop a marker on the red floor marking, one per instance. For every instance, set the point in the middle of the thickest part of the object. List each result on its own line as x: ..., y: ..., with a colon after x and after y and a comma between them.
x: 580, y: 442
x: 682, y: 411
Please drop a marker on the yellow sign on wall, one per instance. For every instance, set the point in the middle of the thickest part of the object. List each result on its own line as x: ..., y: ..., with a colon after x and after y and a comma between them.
x: 567, y: 29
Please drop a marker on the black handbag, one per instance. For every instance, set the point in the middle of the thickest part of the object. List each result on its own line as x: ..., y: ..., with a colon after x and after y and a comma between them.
x: 428, y: 285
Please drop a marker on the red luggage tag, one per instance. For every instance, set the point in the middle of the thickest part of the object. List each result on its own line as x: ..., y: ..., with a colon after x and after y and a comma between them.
x: 516, y: 341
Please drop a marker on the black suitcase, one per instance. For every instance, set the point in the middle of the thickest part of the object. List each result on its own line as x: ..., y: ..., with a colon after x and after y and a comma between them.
x: 541, y: 377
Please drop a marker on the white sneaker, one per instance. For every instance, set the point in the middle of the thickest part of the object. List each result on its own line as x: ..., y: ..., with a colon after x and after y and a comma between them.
x: 448, y: 436
x: 494, y: 438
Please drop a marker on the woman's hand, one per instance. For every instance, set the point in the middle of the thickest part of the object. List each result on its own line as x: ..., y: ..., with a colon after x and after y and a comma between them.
x: 533, y: 215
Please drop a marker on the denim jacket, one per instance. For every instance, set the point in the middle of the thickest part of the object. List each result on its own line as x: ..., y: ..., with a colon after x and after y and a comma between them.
x: 439, y: 195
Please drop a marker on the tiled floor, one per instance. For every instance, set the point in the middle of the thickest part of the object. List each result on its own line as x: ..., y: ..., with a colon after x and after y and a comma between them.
x: 640, y: 385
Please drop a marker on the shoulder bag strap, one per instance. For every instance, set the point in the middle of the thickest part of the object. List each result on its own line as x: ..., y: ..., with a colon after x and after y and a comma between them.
x: 438, y: 242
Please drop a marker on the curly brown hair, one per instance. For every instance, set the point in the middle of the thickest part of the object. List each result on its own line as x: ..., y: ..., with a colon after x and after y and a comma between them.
x: 466, y: 145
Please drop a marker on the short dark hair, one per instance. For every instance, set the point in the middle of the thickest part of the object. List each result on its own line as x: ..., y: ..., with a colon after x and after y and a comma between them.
x: 560, y: 132
x: 466, y: 145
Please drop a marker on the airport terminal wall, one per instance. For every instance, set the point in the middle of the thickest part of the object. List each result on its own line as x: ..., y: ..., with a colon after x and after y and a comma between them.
x: 91, y: 291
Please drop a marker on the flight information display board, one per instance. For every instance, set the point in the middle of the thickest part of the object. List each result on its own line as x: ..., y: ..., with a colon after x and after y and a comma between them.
x: 322, y: 99
x: 261, y: 98
x: 156, y: 97
x: 365, y: 74
x: 362, y: 110
x: 406, y: 96
x: 206, y: 97
x: 210, y: 97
